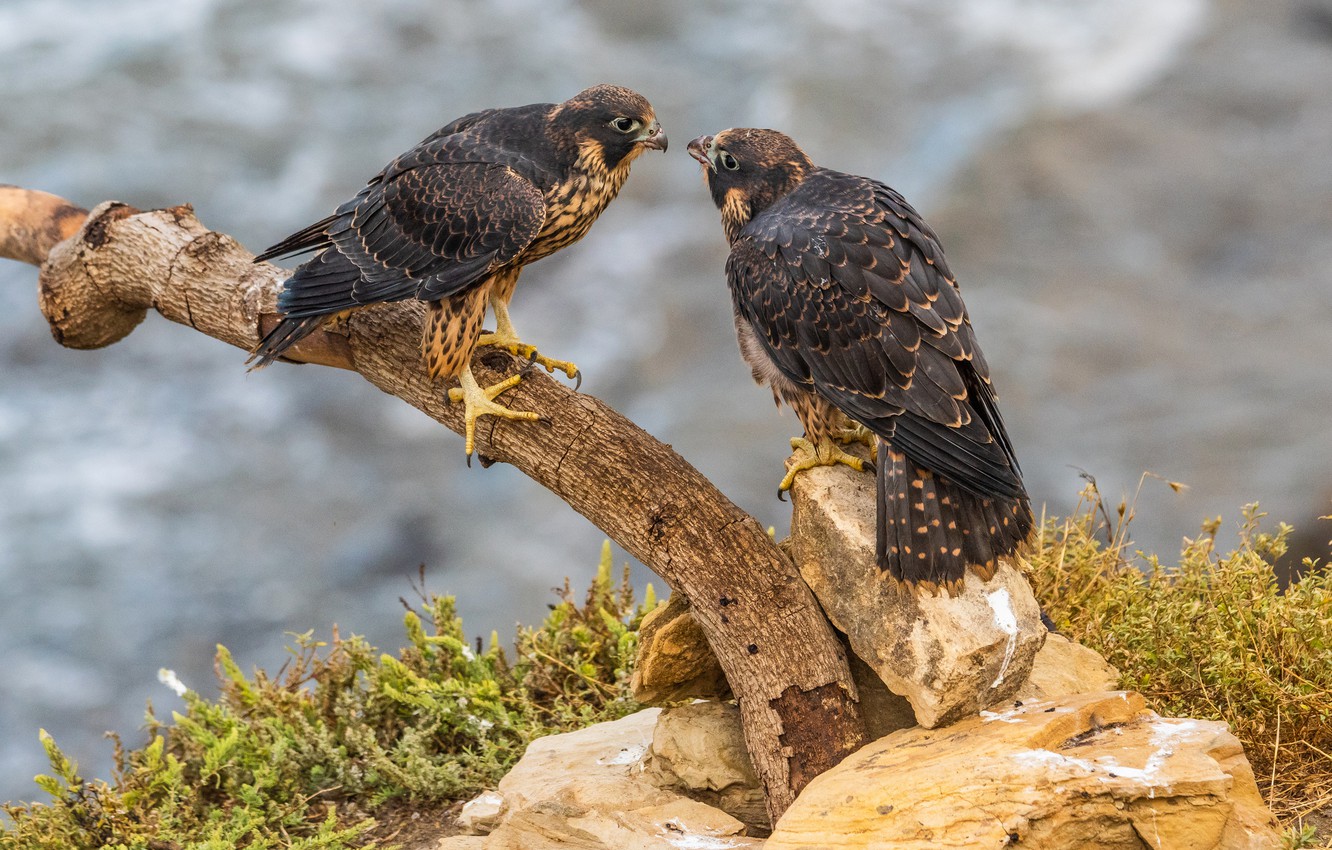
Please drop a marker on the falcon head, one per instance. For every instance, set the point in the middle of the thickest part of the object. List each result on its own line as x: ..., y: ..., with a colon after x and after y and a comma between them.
x: 608, y: 126
x: 747, y: 170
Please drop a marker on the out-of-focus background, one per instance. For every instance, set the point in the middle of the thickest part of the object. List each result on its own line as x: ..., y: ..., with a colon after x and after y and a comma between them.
x: 1135, y: 194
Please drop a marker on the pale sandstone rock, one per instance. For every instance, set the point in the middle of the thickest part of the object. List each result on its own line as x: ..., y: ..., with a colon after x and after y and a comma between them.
x: 587, y: 789
x: 949, y: 656
x: 460, y: 842
x: 480, y: 814
x: 1065, y: 667
x: 1087, y: 771
x: 675, y: 662
x: 699, y: 750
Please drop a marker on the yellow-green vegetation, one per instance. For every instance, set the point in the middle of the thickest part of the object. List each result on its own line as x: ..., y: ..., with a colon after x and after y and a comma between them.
x: 1212, y: 636
x: 310, y: 757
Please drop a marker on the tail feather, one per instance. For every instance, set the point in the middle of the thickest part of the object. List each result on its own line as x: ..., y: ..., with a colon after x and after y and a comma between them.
x: 977, y: 544
x: 283, y: 336
x: 893, y: 511
x: 930, y: 530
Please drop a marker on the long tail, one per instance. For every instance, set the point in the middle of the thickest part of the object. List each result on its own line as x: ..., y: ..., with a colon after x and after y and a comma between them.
x: 930, y: 530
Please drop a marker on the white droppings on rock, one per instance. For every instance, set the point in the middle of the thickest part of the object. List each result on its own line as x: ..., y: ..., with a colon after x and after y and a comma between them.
x: 1002, y: 605
x: 1165, y: 734
x: 1002, y: 716
x: 1049, y: 758
x: 480, y: 814
x: 626, y: 755
x: 685, y: 841
x: 1104, y: 768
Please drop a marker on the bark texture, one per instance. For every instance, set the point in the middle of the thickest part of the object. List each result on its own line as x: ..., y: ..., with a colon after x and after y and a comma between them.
x: 797, y: 699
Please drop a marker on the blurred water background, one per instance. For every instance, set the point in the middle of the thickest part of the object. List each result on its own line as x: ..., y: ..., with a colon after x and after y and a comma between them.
x: 1135, y: 194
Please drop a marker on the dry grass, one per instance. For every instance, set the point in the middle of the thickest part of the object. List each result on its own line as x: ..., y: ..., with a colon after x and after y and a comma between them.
x: 1209, y: 636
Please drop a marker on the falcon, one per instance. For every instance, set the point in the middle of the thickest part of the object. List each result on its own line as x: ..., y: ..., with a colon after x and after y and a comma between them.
x: 845, y: 306
x: 454, y: 220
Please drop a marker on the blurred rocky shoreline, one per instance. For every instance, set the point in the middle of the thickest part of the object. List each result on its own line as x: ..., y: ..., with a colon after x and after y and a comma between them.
x: 1137, y: 198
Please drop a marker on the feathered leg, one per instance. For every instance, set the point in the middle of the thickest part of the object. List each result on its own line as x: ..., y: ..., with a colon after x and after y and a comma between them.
x: 452, y: 329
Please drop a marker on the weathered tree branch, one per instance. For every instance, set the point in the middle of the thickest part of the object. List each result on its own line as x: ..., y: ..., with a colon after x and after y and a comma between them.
x: 784, y: 663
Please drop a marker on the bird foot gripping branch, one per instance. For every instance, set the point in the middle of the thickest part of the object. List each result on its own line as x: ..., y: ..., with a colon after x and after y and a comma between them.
x: 824, y: 453
x: 528, y: 352
x: 506, y: 337
x: 480, y: 401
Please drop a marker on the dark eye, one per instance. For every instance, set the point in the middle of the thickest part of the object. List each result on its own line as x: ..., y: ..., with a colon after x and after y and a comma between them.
x: 624, y: 125
x: 728, y: 162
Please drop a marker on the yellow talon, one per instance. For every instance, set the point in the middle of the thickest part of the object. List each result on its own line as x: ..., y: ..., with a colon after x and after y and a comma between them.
x: 481, y: 402
x: 507, y: 338
x: 808, y: 455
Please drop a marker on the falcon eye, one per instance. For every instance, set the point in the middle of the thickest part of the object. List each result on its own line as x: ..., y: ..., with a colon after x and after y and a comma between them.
x: 624, y: 125
x: 729, y: 162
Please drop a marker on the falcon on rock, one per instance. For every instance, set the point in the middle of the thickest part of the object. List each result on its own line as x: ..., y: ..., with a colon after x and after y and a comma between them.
x: 845, y: 307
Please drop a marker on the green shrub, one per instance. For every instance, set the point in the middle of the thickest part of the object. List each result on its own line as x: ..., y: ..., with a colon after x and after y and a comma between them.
x: 308, y: 758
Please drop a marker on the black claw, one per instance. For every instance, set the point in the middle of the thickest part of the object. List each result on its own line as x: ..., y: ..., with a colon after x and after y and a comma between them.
x: 781, y: 495
x: 869, y: 467
x: 578, y: 379
x: 469, y: 460
x: 531, y: 361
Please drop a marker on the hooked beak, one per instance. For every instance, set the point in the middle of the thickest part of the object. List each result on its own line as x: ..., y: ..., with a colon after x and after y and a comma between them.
x: 698, y: 149
x: 653, y: 137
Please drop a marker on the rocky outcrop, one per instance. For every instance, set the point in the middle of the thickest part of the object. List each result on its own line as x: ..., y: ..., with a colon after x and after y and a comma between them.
x: 1088, y: 771
x: 949, y: 656
x: 1064, y: 667
x: 1096, y: 770
x: 699, y: 750
x: 588, y: 790
x: 675, y: 662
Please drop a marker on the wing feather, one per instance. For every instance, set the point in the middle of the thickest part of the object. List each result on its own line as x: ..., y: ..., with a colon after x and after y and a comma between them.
x: 426, y: 231
x: 850, y: 296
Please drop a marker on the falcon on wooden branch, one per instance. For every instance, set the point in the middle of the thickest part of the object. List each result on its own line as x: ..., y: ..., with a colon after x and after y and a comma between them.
x: 845, y: 307
x: 453, y: 221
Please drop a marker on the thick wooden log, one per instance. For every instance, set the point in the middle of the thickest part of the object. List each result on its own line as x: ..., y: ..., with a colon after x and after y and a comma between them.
x: 786, y: 667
